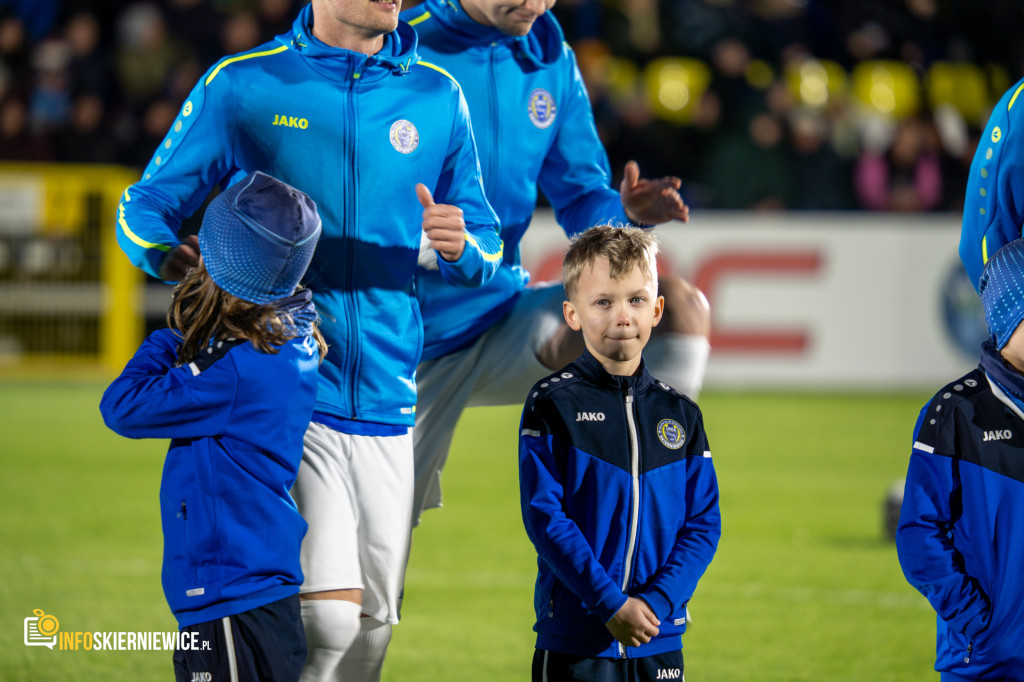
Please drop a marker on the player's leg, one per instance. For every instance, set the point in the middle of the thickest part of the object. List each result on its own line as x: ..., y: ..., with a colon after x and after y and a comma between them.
x: 443, y: 387
x: 382, y: 473
x: 679, y: 347
x: 332, y: 589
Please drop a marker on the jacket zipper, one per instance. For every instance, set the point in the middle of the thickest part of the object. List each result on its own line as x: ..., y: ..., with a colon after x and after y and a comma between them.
x: 351, y: 303
x: 634, y: 467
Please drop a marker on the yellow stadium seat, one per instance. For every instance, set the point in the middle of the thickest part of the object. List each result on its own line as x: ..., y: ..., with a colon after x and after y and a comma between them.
x: 674, y: 86
x: 889, y: 88
x: 961, y: 85
x: 814, y: 83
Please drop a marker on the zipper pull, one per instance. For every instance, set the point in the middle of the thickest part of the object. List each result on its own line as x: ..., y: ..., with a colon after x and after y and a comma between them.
x: 967, y: 658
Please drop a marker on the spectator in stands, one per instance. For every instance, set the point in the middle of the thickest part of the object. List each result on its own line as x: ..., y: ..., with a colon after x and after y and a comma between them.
x: 905, y: 177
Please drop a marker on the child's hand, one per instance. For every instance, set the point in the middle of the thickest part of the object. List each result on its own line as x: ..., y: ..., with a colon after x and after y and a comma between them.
x: 634, y: 624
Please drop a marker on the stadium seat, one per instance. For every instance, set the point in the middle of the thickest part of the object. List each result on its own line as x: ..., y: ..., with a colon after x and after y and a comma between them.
x: 961, y: 85
x: 815, y: 82
x: 674, y: 86
x: 889, y: 88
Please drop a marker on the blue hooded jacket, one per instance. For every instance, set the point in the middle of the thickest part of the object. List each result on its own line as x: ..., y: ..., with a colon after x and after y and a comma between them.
x: 958, y: 538
x: 534, y: 127
x: 236, y: 418
x: 356, y: 133
x: 994, y: 205
x: 620, y: 498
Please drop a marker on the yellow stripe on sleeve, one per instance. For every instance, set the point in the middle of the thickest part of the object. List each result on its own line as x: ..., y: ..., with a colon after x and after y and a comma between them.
x: 123, y: 224
x: 420, y: 19
x: 242, y: 57
x: 984, y: 249
x: 489, y: 257
x: 437, y: 68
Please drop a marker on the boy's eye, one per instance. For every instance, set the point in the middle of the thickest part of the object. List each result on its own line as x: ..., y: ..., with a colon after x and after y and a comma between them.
x: 601, y: 302
x: 637, y: 300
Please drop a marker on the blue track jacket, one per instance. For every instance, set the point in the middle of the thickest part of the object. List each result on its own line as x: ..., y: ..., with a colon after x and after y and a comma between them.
x: 620, y: 498
x: 356, y: 133
x: 994, y: 205
x: 534, y: 126
x: 236, y: 418
x: 959, y: 538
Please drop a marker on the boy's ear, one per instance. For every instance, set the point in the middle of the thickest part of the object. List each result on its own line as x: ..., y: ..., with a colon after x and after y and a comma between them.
x: 569, y: 312
x: 659, y: 308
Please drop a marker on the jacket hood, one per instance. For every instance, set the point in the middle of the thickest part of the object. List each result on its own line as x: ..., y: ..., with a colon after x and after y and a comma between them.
x: 539, y: 49
x: 397, y: 55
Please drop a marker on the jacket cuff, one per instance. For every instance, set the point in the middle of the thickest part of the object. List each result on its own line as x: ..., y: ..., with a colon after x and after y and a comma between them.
x: 609, y: 605
x: 661, y: 606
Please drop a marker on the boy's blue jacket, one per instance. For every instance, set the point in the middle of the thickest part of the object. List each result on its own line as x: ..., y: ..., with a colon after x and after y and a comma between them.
x: 994, y: 205
x: 620, y: 498
x: 236, y: 418
x: 959, y: 535
x: 534, y: 126
x: 356, y: 133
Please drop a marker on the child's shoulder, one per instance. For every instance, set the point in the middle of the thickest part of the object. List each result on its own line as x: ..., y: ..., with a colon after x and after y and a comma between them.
x: 969, y: 393
x: 549, y: 386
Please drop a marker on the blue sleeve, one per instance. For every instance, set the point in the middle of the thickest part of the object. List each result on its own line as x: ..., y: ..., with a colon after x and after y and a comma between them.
x: 924, y: 540
x: 994, y: 205
x: 697, y: 540
x: 154, y: 399
x: 559, y: 541
x: 194, y: 157
x: 461, y: 184
x: 576, y: 177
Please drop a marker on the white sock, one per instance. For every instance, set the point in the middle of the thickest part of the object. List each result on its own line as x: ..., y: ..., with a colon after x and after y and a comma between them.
x: 679, y: 360
x: 331, y: 627
x: 364, y: 660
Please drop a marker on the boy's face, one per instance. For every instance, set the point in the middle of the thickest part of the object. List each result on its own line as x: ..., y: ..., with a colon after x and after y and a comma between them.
x: 615, y: 315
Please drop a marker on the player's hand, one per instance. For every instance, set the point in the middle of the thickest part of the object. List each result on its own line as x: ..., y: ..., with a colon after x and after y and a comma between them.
x: 180, y: 260
x: 634, y: 624
x: 651, y: 202
x: 443, y: 224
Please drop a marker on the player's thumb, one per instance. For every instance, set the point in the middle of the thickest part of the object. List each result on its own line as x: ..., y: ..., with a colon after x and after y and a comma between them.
x: 424, y: 195
x: 630, y: 175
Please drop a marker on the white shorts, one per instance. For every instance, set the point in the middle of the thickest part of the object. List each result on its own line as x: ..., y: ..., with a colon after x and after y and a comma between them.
x: 355, y: 492
x: 498, y: 369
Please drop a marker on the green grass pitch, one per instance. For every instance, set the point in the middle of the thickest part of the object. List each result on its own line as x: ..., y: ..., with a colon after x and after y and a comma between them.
x: 803, y: 586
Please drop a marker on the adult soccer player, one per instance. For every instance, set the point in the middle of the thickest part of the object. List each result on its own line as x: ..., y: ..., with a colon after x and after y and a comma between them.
x: 341, y: 108
x: 994, y: 205
x: 534, y: 128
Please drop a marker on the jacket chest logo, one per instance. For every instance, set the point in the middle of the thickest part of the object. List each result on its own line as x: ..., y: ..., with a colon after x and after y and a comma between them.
x: 404, y: 136
x: 590, y: 416
x: 671, y: 434
x: 290, y: 121
x: 542, y: 108
x: 1004, y: 434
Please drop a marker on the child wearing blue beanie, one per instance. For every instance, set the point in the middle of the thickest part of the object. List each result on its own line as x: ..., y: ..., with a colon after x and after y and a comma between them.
x: 958, y: 537
x: 232, y: 383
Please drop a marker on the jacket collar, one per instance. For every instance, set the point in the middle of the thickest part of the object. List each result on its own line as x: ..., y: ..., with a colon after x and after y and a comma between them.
x: 396, y: 56
x: 1007, y: 379
x: 591, y: 369
x: 539, y: 49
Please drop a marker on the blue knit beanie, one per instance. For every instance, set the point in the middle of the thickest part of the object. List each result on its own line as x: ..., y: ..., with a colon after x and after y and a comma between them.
x: 1002, y: 291
x: 258, y: 237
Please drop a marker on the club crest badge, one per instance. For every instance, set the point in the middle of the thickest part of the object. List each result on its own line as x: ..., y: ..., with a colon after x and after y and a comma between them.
x: 671, y: 434
x: 404, y: 136
x: 542, y: 108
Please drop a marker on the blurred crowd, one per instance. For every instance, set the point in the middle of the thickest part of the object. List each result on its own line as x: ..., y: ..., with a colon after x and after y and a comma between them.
x: 755, y: 104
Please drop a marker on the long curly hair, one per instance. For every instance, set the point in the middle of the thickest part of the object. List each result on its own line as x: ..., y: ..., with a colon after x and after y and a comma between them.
x: 201, y: 311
